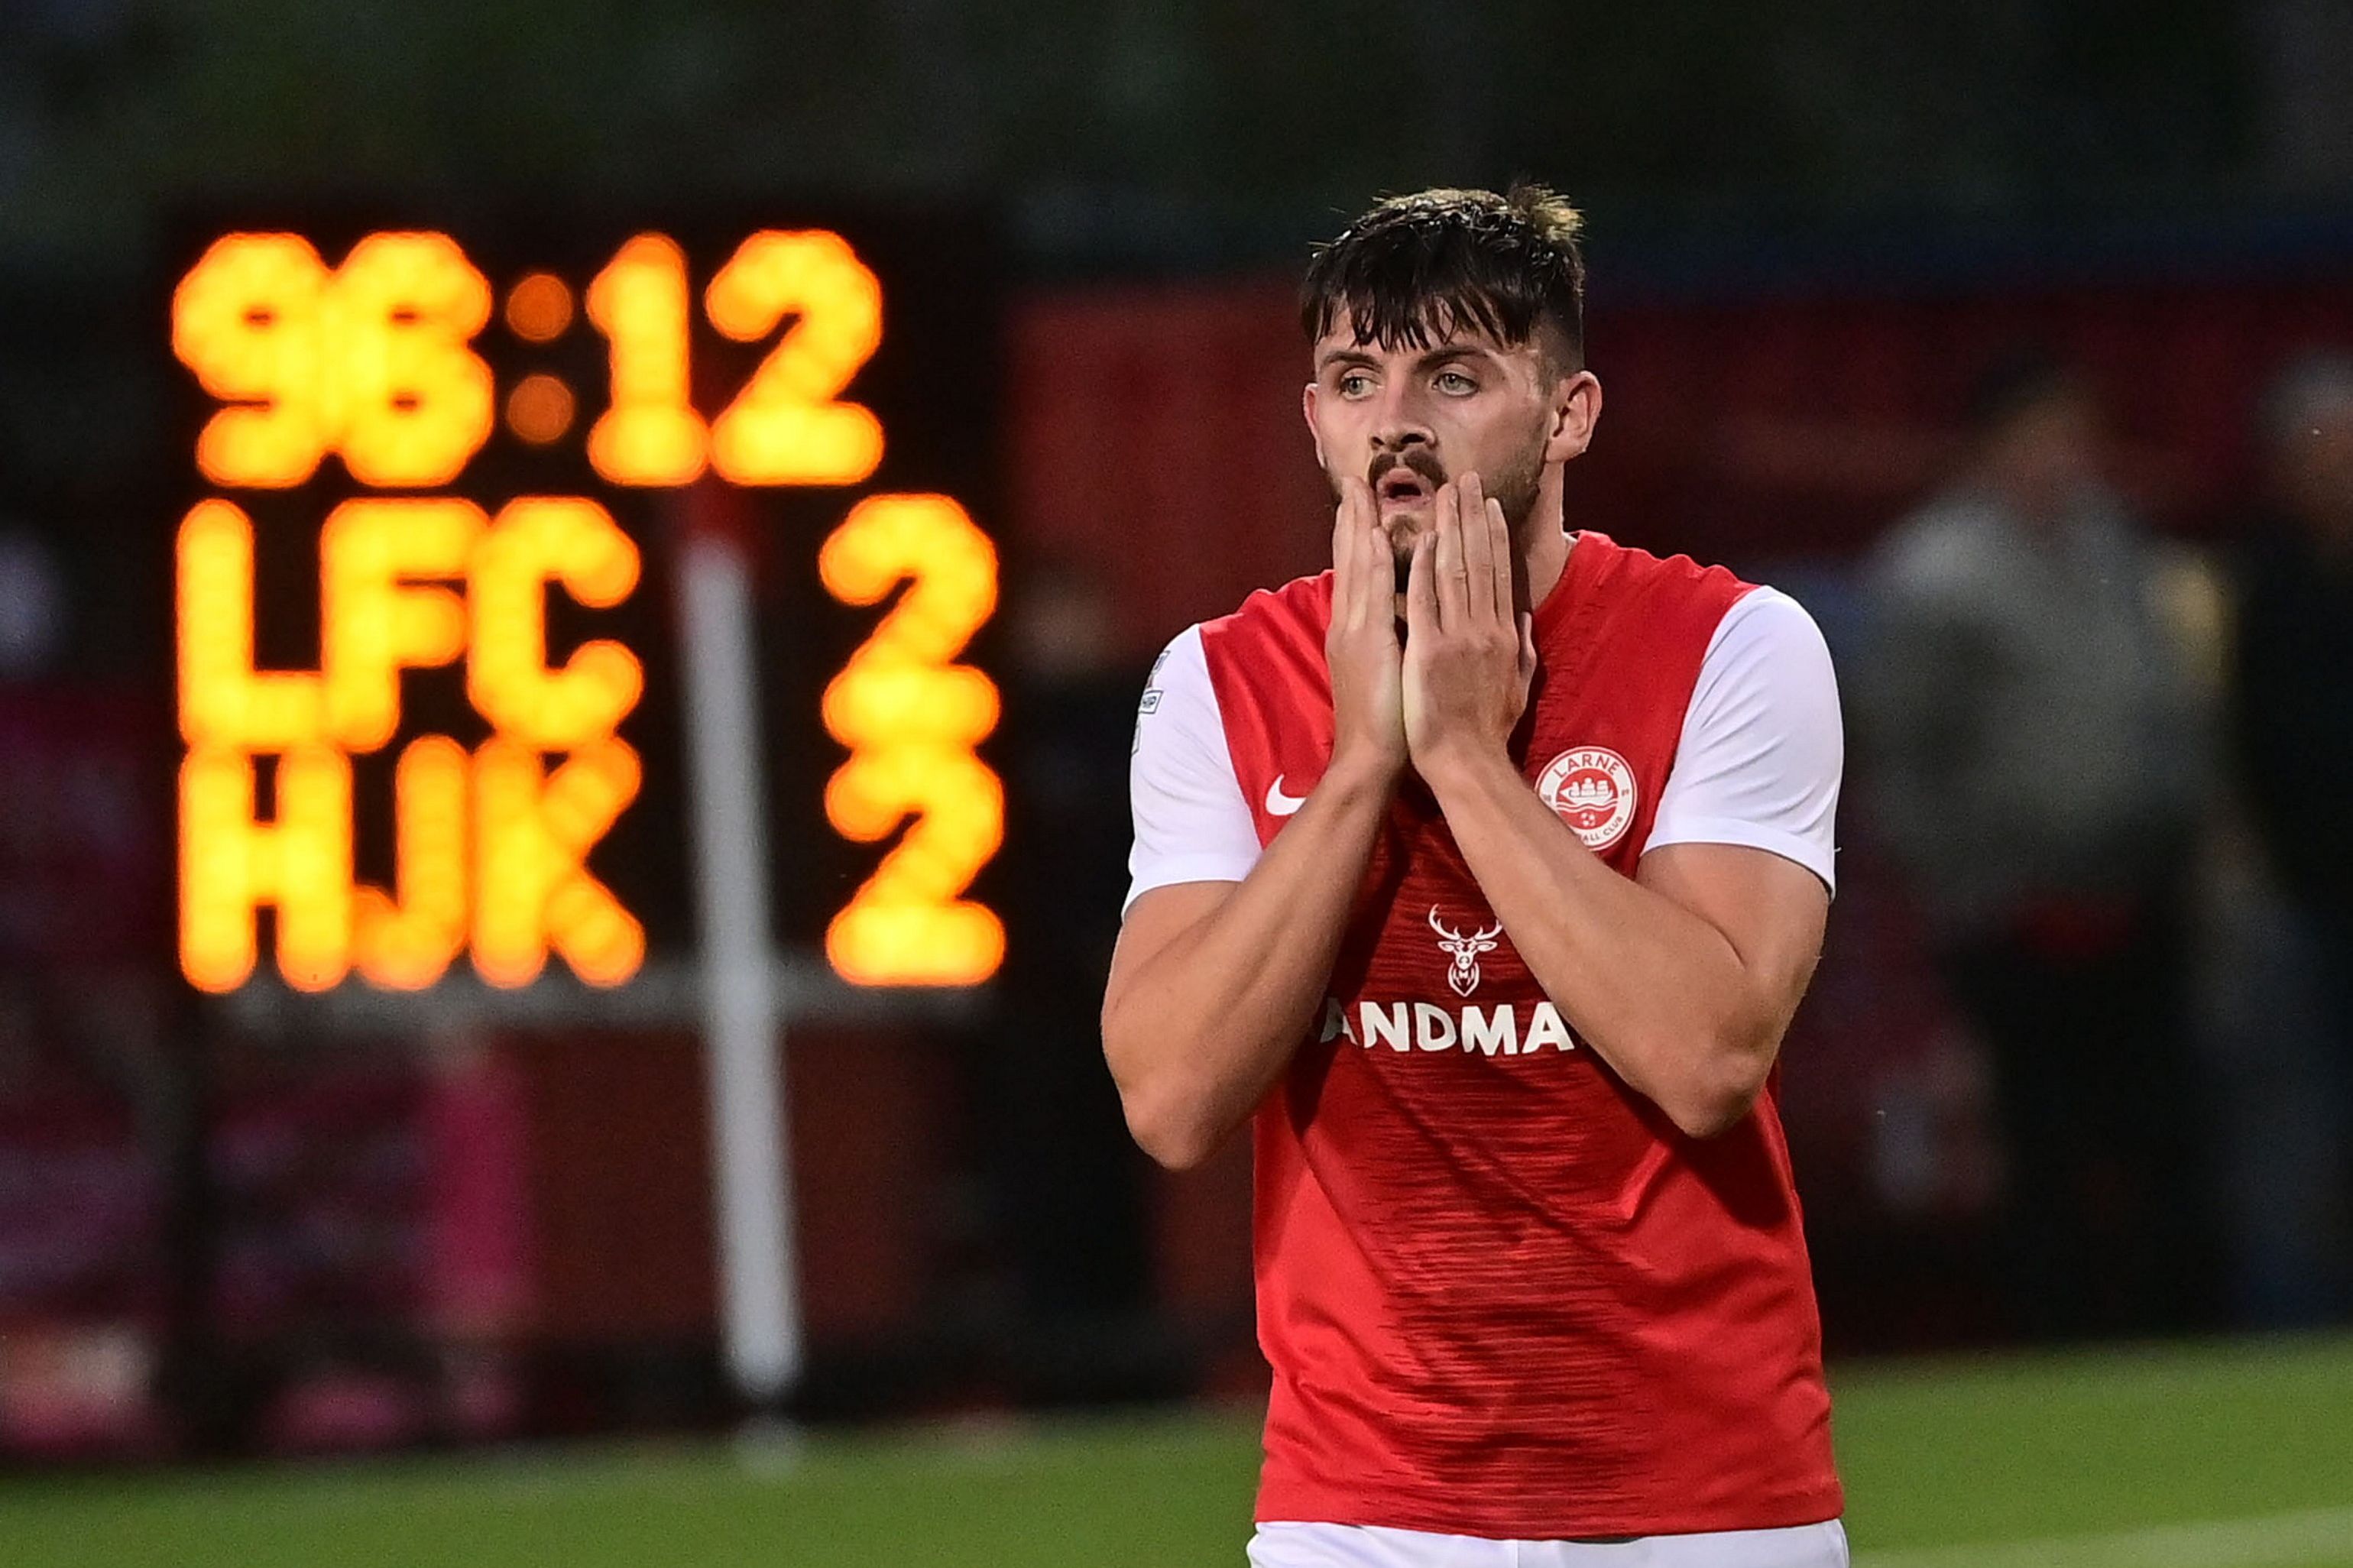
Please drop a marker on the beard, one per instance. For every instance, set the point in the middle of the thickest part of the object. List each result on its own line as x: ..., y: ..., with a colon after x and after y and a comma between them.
x: 1514, y: 484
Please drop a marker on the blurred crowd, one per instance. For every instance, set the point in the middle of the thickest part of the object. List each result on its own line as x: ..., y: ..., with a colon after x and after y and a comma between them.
x: 2113, y: 774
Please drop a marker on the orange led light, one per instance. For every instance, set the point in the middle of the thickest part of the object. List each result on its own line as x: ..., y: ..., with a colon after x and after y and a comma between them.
x: 911, y: 719
x: 224, y: 701
x: 538, y: 308
x: 369, y: 360
x: 415, y: 401
x: 230, y: 864
x: 533, y: 893
x: 883, y: 697
x: 247, y: 320
x: 538, y: 541
x: 376, y: 617
x: 651, y: 435
x: 372, y: 361
x: 540, y: 409
x: 786, y: 427
x: 408, y: 943
x: 928, y: 542
x: 877, y: 942
x: 483, y: 846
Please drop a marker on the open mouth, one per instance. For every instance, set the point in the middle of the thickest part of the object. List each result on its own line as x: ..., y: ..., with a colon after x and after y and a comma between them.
x: 1402, y: 487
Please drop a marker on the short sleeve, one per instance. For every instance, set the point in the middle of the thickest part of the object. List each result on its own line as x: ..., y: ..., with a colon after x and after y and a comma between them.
x: 1191, y: 822
x: 1762, y: 748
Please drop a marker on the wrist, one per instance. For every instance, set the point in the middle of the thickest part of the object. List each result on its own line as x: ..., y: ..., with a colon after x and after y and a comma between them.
x: 1361, y: 769
x: 1461, y: 766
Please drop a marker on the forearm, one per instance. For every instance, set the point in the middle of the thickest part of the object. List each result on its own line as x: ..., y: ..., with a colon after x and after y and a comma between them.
x: 1200, y: 1030
x: 1657, y: 991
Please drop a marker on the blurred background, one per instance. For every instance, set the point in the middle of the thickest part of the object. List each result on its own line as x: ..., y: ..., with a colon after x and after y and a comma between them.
x: 2015, y: 341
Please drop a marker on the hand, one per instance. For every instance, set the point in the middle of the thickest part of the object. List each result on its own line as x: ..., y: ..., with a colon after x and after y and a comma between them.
x: 1469, y: 656
x: 1361, y: 646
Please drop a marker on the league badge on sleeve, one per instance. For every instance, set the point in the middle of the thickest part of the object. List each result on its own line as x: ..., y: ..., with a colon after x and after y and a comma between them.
x: 1593, y: 790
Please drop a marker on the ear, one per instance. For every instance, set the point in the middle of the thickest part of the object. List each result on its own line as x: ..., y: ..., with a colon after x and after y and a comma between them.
x: 1577, y: 409
x: 1314, y: 432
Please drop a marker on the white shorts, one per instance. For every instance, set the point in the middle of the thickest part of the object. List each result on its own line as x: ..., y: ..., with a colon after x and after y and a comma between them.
x: 1819, y: 1545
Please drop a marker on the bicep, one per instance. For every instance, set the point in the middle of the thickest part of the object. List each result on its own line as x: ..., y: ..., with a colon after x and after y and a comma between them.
x: 1155, y: 920
x: 1769, y: 909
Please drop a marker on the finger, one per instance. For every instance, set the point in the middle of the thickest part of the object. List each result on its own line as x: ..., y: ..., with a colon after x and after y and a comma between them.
x: 1349, y: 521
x: 1377, y: 576
x: 1478, y: 552
x: 1499, y: 537
x: 1355, y: 501
x: 1421, y: 592
x: 1527, y: 648
x: 1447, y: 560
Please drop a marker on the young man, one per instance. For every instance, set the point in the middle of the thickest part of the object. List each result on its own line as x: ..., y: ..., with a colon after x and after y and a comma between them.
x: 1494, y: 920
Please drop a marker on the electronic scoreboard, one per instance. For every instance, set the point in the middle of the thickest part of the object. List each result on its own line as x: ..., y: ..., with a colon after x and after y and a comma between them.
x: 426, y: 660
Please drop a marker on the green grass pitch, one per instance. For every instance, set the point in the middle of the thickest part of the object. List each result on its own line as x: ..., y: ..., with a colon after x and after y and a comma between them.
x: 2237, y: 1454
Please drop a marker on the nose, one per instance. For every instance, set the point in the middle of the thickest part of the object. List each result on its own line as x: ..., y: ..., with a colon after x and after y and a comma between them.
x: 1401, y: 422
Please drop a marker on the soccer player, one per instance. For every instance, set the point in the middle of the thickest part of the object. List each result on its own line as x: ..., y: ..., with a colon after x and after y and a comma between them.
x: 1484, y: 872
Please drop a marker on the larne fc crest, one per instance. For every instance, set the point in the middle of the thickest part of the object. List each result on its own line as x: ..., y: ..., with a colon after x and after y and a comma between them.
x: 1593, y: 790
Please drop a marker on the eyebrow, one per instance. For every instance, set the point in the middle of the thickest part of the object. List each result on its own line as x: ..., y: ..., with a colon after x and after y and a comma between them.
x: 1429, y: 358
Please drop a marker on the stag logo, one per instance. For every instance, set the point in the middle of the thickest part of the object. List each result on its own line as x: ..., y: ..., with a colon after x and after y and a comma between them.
x: 1464, y: 951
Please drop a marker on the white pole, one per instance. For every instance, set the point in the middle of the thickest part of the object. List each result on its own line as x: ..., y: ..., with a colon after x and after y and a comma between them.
x: 743, y: 1024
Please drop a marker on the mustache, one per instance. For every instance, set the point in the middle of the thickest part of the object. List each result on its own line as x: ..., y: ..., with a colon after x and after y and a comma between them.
x: 1412, y: 458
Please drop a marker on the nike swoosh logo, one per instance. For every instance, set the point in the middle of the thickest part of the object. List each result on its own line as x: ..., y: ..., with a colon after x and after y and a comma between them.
x: 1279, y: 803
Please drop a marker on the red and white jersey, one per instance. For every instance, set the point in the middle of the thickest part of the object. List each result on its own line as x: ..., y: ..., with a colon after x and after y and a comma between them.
x: 1502, y: 1295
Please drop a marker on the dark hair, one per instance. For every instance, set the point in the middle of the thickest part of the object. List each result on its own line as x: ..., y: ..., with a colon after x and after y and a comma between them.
x: 1437, y: 262
x: 2016, y: 379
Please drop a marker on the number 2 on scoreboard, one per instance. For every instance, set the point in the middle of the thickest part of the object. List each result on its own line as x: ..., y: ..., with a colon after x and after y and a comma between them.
x: 911, y: 719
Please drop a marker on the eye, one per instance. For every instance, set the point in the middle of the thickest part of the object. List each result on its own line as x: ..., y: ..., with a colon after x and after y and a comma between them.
x: 1353, y: 383
x: 1455, y: 384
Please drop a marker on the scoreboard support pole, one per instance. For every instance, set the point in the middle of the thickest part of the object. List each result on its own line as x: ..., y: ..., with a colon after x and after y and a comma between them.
x: 742, y: 1020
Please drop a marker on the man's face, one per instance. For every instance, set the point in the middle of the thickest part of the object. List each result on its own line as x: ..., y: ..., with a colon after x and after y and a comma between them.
x: 2046, y: 453
x: 1406, y: 420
